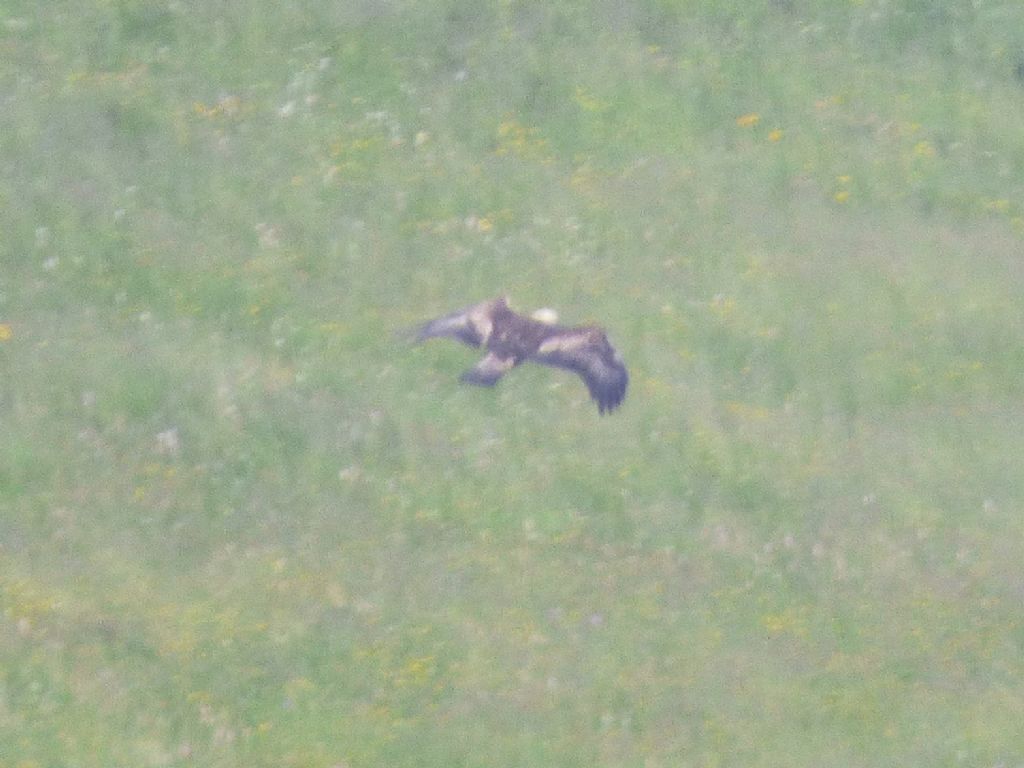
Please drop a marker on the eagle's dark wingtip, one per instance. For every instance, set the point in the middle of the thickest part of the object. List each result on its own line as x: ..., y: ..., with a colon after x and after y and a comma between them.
x: 610, y: 402
x: 610, y: 398
x: 609, y: 406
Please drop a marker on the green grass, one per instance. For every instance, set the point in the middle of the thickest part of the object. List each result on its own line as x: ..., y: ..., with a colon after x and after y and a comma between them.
x: 243, y: 524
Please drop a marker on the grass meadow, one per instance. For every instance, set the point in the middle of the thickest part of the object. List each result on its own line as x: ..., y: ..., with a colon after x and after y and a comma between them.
x: 243, y: 524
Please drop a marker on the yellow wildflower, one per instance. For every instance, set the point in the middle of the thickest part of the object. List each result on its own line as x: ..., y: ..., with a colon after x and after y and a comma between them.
x: 842, y: 195
x: 6, y: 332
x: 924, y: 149
x: 749, y: 120
x: 589, y: 102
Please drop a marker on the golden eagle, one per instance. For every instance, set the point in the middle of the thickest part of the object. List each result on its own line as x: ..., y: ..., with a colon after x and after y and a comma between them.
x: 511, y: 339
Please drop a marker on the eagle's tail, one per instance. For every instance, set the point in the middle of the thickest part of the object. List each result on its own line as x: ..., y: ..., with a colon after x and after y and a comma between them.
x: 487, y: 372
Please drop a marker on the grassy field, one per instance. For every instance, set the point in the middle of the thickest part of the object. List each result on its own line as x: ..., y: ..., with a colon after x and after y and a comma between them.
x: 243, y: 524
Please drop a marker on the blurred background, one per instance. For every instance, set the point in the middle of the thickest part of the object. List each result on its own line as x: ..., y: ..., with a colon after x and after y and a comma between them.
x: 243, y: 524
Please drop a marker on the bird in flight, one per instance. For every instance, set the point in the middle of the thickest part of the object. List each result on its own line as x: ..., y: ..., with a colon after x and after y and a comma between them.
x: 511, y: 339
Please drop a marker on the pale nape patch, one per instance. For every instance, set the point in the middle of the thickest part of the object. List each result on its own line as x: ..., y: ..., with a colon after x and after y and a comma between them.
x: 545, y: 315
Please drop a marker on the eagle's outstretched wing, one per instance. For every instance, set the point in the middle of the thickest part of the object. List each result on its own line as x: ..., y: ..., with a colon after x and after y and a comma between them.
x: 587, y: 352
x: 471, y: 326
